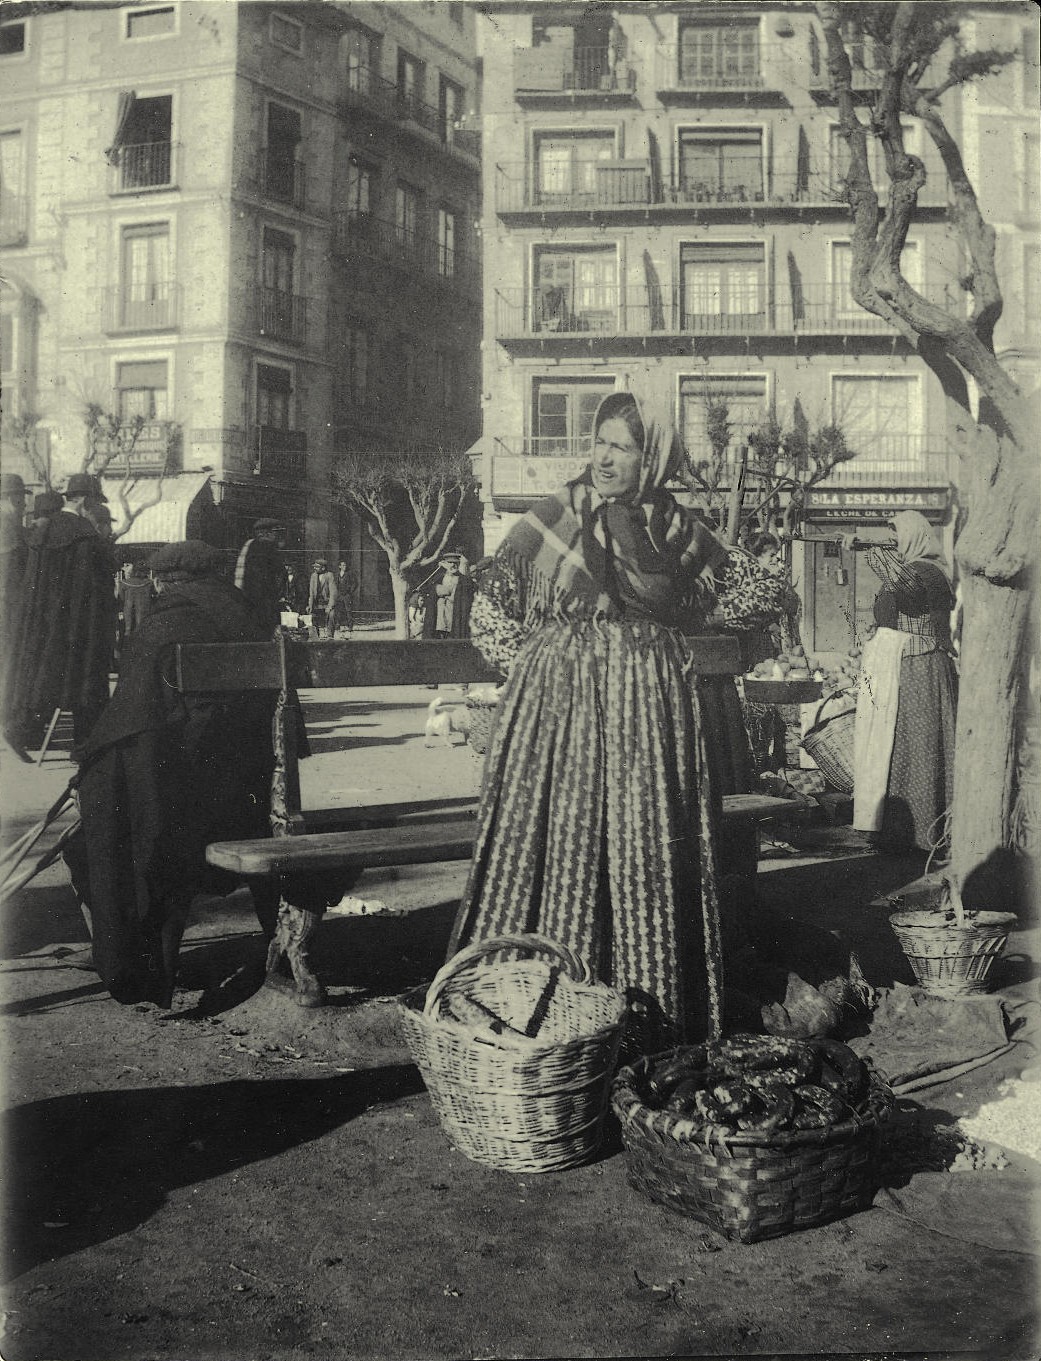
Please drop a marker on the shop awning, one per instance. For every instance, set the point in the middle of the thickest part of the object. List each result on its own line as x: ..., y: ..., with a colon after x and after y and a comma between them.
x: 165, y: 520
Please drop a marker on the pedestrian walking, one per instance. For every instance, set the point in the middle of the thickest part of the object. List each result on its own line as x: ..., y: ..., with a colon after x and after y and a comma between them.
x: 162, y: 775
x: 293, y: 599
x: 602, y: 785
x: 908, y: 697
x: 65, y: 636
x: 462, y: 601
x: 342, y: 614
x: 260, y: 572
x: 444, y: 594
x: 321, y: 598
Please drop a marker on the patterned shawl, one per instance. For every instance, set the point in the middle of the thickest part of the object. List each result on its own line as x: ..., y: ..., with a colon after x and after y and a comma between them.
x: 577, y: 554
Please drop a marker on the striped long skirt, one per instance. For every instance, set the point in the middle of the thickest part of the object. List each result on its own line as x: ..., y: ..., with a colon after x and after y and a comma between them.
x: 596, y: 821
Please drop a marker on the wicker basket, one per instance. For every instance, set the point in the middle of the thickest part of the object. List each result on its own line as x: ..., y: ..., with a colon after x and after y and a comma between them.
x: 951, y: 960
x: 532, y: 1098
x: 829, y: 744
x: 749, y: 1185
x: 481, y: 723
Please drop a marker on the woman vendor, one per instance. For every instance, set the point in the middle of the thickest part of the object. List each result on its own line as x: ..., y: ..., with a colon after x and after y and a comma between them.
x: 601, y: 791
x: 904, y: 744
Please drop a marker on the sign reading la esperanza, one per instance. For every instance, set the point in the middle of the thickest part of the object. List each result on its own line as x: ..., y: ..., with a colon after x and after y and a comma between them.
x: 839, y: 498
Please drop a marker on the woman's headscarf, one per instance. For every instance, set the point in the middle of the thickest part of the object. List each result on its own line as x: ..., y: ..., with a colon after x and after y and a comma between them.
x: 581, y: 554
x: 917, y: 541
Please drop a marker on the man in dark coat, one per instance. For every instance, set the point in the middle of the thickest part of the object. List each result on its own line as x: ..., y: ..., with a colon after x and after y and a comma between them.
x: 462, y: 601
x: 162, y: 775
x: 14, y: 552
x: 63, y: 643
x: 260, y: 573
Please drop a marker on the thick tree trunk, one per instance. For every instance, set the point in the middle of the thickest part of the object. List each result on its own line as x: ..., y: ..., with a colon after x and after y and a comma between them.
x: 399, y: 585
x: 994, y: 623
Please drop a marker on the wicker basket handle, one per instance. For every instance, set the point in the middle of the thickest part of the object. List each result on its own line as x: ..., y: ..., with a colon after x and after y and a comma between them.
x: 575, y: 967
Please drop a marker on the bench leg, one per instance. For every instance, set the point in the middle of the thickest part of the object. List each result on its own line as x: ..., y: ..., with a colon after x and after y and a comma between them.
x: 294, y: 930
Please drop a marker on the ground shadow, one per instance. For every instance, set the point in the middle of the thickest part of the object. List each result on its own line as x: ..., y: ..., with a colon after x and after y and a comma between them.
x: 381, y: 955
x: 41, y: 915
x: 84, y: 1168
x: 344, y: 742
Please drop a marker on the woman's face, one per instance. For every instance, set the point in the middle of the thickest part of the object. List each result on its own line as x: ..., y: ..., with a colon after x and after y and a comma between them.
x: 770, y: 559
x: 617, y: 459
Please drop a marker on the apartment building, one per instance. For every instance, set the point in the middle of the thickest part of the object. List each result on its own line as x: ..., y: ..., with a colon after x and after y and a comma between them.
x: 251, y: 224
x: 663, y: 212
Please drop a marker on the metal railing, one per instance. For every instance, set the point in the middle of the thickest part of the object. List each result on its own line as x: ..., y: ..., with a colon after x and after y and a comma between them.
x: 366, y: 89
x: 549, y: 70
x: 145, y: 165
x: 588, y: 187
x: 375, y: 238
x: 281, y: 315
x: 280, y: 454
x: 14, y: 218
x: 281, y: 176
x: 609, y: 311
x: 742, y: 69
x: 867, y: 74
x: 157, y: 310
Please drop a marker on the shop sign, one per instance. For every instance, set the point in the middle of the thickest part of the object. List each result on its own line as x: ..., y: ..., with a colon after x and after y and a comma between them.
x: 846, y: 504
x: 533, y: 476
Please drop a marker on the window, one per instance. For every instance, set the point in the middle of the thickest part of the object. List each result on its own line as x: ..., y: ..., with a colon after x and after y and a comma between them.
x: 142, y: 146
x: 721, y: 166
x: 151, y: 23
x: 283, y: 174
x: 447, y: 376
x: 566, y: 167
x: 838, y: 157
x: 843, y: 308
x: 723, y: 286
x: 286, y: 33
x: 410, y: 81
x: 880, y: 416
x: 363, y: 60
x: 12, y: 40
x: 401, y: 370
x: 356, y: 365
x: 1031, y: 289
x: 13, y: 214
x: 562, y: 418
x: 141, y: 390
x: 576, y: 290
x: 745, y: 398
x: 719, y: 56
x: 145, y: 298
x: 359, y: 189
x: 406, y: 217
x: 274, y: 397
x: 446, y: 261
x: 450, y: 108
x: 1031, y: 201
x: 281, y: 312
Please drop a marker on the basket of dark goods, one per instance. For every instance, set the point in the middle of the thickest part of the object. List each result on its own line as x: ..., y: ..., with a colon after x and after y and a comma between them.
x: 517, y: 1053
x: 754, y: 1135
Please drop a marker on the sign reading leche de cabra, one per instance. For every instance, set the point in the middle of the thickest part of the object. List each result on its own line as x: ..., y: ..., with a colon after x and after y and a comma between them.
x: 841, y: 503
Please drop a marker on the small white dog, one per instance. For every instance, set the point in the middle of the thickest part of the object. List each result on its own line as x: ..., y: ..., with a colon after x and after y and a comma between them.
x: 440, y: 721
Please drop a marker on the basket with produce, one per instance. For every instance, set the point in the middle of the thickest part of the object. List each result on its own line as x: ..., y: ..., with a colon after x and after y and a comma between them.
x: 754, y: 1135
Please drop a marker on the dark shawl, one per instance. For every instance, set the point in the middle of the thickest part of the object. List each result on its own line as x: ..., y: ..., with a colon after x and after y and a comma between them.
x: 260, y: 576
x: 66, y: 632
x: 461, y: 602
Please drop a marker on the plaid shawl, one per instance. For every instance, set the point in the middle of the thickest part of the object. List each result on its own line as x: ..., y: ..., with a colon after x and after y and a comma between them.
x: 578, y: 555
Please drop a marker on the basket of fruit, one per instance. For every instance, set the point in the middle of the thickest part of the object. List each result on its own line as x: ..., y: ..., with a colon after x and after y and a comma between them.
x: 784, y: 679
x: 517, y: 1054
x: 754, y: 1135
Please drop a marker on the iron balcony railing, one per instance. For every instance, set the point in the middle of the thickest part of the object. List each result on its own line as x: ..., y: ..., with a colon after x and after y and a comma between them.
x: 145, y: 165
x: 155, y: 450
x: 367, y: 90
x: 521, y: 187
x: 552, y: 69
x: 739, y: 67
x: 369, y: 237
x: 281, y: 176
x: 609, y: 311
x: 155, y: 307
x: 14, y: 218
x: 281, y: 315
x: 279, y: 454
x: 866, y: 69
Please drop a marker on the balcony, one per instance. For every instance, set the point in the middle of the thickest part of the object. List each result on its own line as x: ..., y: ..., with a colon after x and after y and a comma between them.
x: 14, y: 219
x: 280, y: 455
x: 884, y: 461
x: 158, y: 310
x: 145, y: 166
x: 867, y: 72
x: 576, y: 74
x: 367, y: 237
x: 608, y: 313
x: 155, y: 450
x: 368, y: 92
x: 281, y: 315
x: 749, y: 73
x: 627, y: 186
x: 280, y: 177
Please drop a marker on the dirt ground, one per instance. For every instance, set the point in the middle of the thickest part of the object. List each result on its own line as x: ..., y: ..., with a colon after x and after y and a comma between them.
x: 242, y: 1179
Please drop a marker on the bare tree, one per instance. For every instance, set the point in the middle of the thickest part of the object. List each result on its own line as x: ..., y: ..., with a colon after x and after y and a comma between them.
x: 22, y: 432
x: 411, y: 502
x: 923, y: 56
x: 110, y: 444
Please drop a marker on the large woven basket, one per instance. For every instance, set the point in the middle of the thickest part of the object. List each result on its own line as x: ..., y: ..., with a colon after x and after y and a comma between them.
x: 951, y: 960
x: 750, y: 1185
x: 829, y: 743
x: 481, y: 722
x: 534, y: 1097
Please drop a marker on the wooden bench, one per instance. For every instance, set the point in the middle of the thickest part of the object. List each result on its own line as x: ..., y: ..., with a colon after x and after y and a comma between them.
x: 333, y: 845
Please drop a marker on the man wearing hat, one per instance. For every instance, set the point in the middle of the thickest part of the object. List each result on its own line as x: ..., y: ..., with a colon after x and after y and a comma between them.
x: 322, y: 596
x: 62, y: 643
x: 260, y: 572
